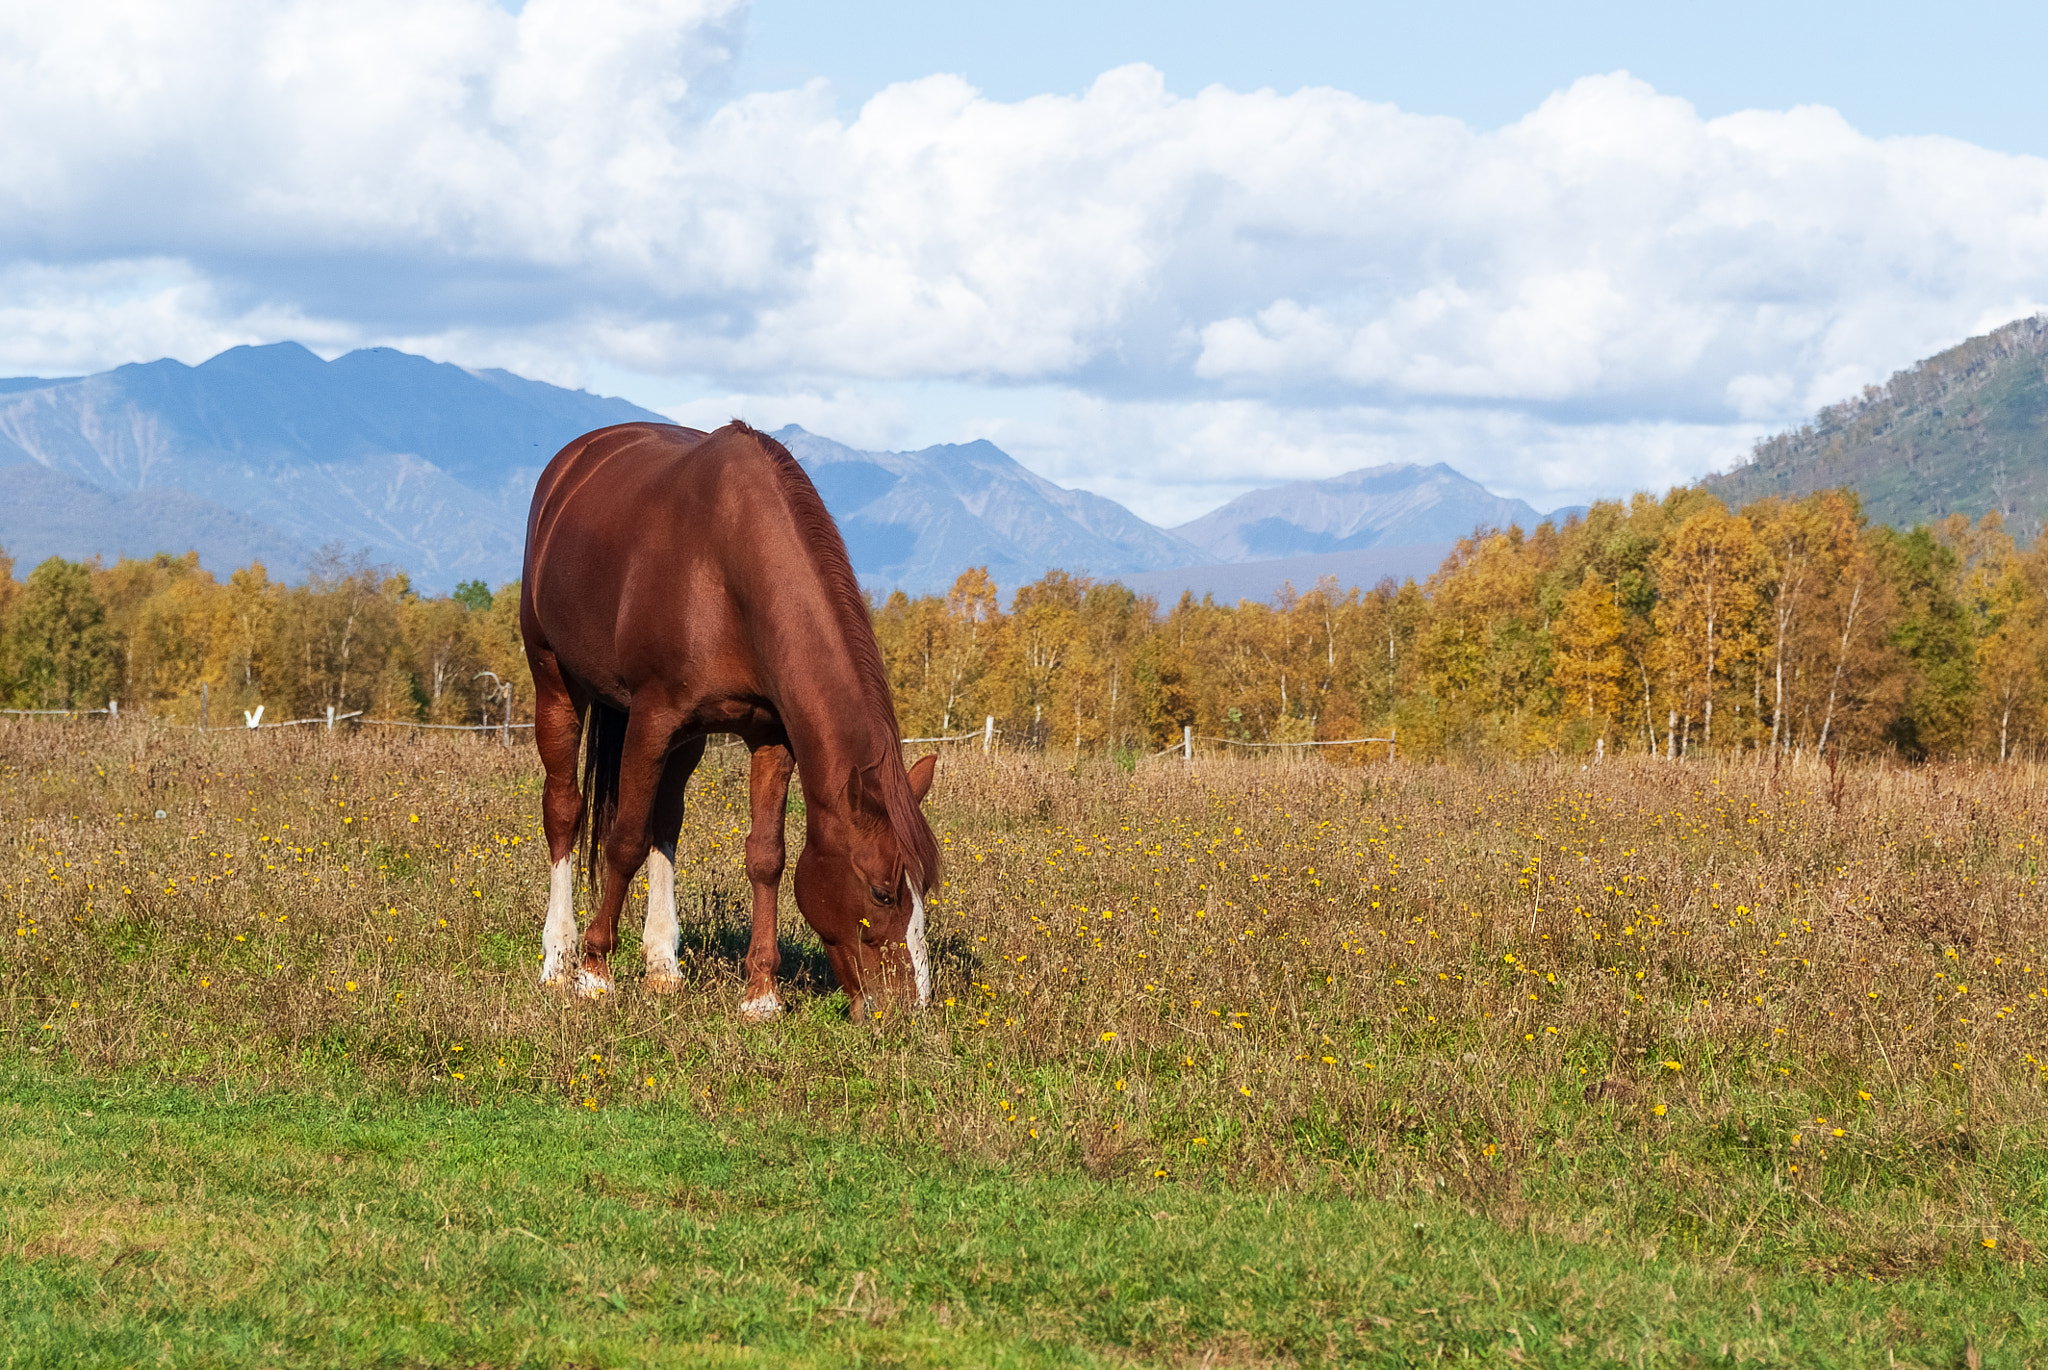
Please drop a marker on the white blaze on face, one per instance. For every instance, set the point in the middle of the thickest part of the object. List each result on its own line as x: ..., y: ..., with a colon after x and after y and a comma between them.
x: 920, y: 957
x: 558, y: 934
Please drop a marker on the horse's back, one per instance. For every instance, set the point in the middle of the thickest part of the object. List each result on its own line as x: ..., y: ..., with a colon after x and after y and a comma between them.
x: 629, y: 525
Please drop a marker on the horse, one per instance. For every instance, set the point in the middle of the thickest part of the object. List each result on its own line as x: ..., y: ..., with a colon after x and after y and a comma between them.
x: 679, y: 583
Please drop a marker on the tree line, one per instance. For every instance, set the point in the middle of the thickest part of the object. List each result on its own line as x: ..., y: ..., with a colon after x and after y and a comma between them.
x: 164, y: 637
x: 1673, y: 626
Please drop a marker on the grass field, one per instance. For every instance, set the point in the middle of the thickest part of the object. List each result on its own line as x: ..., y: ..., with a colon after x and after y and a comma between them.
x: 1670, y: 1058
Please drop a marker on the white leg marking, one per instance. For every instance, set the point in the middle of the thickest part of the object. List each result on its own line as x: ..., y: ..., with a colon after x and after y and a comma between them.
x: 920, y: 957
x: 558, y: 934
x: 660, y: 937
x: 761, y: 1007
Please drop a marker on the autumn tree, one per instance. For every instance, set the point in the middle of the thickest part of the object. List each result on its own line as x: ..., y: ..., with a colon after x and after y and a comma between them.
x: 65, y: 658
x: 1588, y: 664
x: 1707, y: 593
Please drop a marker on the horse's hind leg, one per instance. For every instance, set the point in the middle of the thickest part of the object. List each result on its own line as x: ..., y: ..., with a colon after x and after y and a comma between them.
x: 558, y: 732
x: 660, y: 937
x: 768, y: 798
x: 626, y: 845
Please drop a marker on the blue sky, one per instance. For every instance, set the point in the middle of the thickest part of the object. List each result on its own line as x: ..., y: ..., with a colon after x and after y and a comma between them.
x: 1167, y: 253
x: 1969, y: 71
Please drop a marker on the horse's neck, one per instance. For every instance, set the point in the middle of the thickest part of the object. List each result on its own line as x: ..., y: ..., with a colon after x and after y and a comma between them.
x: 822, y: 700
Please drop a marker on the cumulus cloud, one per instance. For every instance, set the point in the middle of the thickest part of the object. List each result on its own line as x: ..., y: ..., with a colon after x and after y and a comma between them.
x: 1239, y: 287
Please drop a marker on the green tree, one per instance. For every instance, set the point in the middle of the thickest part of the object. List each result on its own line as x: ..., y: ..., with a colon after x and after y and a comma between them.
x: 64, y: 653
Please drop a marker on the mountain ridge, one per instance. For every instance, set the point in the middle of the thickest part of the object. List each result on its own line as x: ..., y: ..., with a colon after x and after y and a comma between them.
x: 422, y: 463
x: 1963, y: 431
x: 915, y: 520
x: 270, y: 452
x: 1393, y: 504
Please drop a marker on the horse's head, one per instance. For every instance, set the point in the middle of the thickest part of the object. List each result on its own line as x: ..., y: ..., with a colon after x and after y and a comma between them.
x: 862, y: 887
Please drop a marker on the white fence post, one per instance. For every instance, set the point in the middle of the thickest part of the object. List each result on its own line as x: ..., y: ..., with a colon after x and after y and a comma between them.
x: 1187, y: 743
x: 203, y: 701
x: 113, y: 711
x: 988, y: 733
x: 254, y: 720
x: 330, y: 718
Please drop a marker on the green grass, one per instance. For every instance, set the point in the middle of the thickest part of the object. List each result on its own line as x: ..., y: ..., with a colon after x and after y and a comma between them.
x: 144, y: 1222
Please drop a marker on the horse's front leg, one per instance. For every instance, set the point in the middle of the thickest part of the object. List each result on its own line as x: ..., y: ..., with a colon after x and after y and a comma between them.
x: 768, y: 798
x: 660, y: 936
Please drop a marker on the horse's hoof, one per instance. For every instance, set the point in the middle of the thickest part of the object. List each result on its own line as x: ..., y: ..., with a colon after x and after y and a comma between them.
x: 588, y: 984
x: 761, y: 1008
x: 662, y: 982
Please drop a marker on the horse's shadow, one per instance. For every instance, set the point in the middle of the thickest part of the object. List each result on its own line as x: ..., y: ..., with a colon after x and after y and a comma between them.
x: 717, y: 926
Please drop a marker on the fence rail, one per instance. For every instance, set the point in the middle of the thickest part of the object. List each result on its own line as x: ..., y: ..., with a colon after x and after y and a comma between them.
x: 1334, y: 742
x: 111, y: 711
x: 252, y: 721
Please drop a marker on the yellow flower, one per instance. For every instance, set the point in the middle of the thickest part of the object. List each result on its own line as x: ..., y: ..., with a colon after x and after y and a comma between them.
x: 1991, y: 1243
x: 1109, y: 1036
x: 1658, y: 1110
x: 351, y: 987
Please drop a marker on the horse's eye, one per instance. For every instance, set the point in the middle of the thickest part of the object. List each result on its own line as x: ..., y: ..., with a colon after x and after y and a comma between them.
x: 882, y: 896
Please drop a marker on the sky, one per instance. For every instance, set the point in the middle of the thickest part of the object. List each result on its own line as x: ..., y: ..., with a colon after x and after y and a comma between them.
x: 1167, y: 253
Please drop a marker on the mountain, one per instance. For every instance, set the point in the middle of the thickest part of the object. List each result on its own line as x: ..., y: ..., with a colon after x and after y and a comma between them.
x: 1377, y: 506
x: 1963, y: 432
x: 915, y: 520
x: 269, y: 452
x: 45, y: 513
x: 1232, y: 581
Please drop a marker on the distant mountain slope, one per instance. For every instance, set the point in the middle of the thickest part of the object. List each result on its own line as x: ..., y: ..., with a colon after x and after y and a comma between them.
x: 45, y: 513
x: 1261, y: 581
x: 1377, y: 506
x: 267, y: 453
x: 915, y: 520
x: 427, y: 465
x: 1965, y: 431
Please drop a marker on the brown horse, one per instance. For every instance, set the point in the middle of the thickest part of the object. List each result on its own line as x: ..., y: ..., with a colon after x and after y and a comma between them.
x: 678, y: 584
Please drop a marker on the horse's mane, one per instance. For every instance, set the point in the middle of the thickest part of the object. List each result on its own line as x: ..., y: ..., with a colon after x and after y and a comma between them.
x: 835, y: 569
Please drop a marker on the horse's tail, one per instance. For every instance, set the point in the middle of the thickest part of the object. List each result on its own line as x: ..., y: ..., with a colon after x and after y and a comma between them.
x: 604, y: 743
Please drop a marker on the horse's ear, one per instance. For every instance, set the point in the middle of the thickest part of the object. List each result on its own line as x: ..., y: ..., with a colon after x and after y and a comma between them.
x: 921, y: 771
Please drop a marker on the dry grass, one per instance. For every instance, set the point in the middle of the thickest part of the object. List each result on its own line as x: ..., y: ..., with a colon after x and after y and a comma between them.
x: 1761, y: 1017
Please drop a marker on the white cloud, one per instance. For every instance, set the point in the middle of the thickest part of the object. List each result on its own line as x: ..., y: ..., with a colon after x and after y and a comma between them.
x: 1240, y: 287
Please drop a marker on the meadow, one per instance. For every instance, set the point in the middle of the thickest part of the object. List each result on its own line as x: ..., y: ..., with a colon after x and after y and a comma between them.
x: 1238, y: 1062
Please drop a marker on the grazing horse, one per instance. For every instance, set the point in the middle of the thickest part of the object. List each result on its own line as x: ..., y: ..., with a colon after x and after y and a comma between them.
x: 680, y: 583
